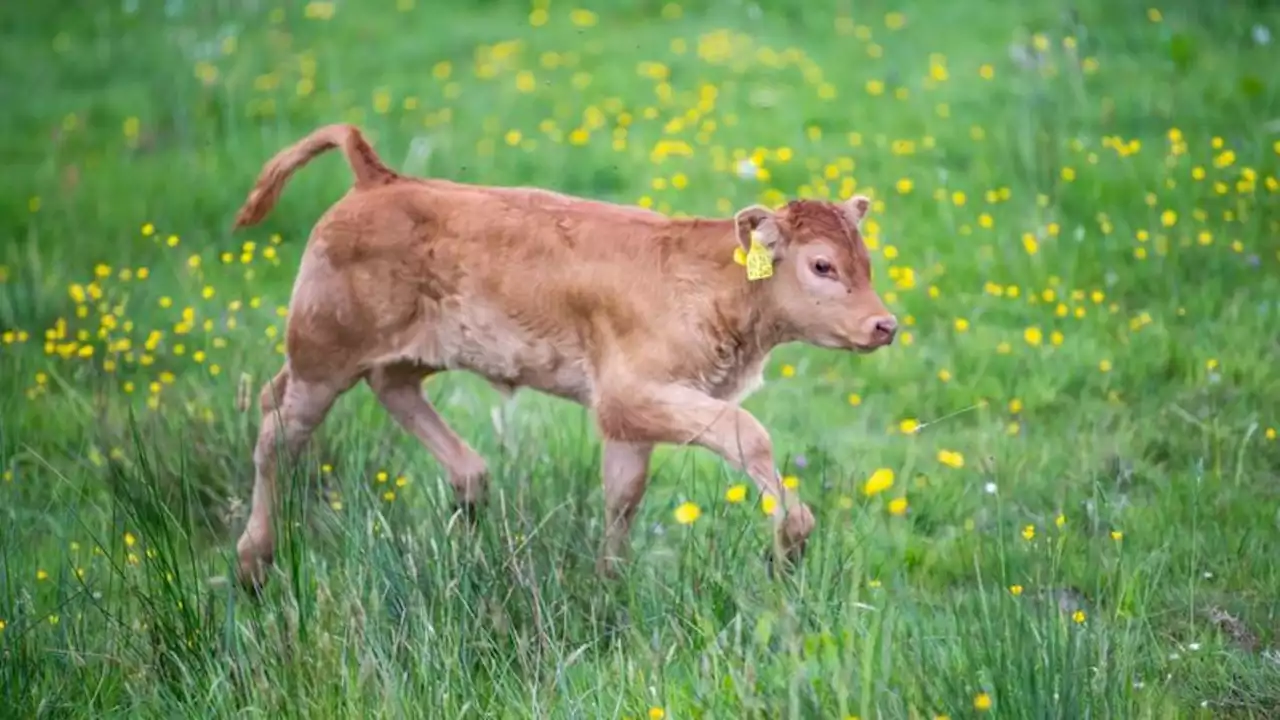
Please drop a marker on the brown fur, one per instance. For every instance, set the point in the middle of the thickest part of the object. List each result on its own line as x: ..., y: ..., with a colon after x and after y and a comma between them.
x: 645, y: 320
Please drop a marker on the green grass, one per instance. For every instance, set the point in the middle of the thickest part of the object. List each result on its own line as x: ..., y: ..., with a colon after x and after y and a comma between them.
x: 1111, y: 385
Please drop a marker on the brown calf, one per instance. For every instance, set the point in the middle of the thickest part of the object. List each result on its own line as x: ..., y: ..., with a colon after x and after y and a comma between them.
x: 650, y: 322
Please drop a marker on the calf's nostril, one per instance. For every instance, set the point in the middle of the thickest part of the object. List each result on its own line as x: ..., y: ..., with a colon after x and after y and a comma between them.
x: 887, y: 328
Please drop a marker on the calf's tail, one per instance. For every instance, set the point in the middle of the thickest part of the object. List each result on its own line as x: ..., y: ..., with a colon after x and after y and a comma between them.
x: 368, y: 168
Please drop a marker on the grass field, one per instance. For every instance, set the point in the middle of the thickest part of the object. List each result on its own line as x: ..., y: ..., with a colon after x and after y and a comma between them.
x: 1056, y: 496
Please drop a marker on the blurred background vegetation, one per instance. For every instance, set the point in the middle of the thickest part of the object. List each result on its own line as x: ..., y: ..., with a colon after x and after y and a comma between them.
x: 1055, y: 497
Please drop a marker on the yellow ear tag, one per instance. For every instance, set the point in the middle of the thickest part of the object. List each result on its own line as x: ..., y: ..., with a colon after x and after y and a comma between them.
x: 759, y: 260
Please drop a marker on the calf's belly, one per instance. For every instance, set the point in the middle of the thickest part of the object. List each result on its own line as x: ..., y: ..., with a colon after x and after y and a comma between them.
x: 508, y: 355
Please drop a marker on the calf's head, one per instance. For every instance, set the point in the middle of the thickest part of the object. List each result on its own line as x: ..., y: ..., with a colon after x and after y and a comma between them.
x: 821, y: 284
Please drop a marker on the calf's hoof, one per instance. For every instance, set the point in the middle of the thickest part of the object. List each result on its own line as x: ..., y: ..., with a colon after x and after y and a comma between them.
x: 777, y: 560
x: 253, y: 566
x: 468, y: 512
x: 791, y: 540
x: 252, y: 571
x: 609, y: 567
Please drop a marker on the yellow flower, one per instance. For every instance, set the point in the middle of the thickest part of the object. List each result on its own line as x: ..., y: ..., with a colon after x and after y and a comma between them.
x: 1078, y: 616
x: 687, y: 513
x: 1117, y: 535
x: 898, y: 506
x: 319, y: 10
x: 982, y: 702
x: 42, y: 575
x: 880, y: 480
x: 908, y: 426
x: 389, y: 495
x: 129, y: 539
x: 657, y: 713
x: 855, y: 399
x: 1033, y: 336
x: 1015, y: 406
x: 1105, y: 366
x: 961, y: 325
x: 1029, y: 532
x: 951, y: 458
x: 788, y: 371
x: 790, y: 482
x: 736, y: 494
x: 582, y: 18
x: 1015, y: 590
x: 1271, y: 433
x: 768, y: 504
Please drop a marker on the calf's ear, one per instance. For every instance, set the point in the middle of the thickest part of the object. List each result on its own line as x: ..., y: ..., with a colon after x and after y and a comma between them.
x: 855, y: 210
x: 760, y: 220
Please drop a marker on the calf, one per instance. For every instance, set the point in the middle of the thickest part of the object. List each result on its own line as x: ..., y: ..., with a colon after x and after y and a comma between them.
x: 659, y: 326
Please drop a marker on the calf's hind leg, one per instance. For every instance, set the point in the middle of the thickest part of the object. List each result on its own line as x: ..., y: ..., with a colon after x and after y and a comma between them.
x: 399, y: 389
x: 625, y: 471
x: 292, y: 408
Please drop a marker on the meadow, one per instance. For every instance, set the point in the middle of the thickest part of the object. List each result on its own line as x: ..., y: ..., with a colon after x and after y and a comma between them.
x: 1055, y: 497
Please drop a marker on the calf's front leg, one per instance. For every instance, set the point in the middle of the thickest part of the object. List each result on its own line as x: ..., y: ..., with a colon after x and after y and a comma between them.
x: 677, y: 414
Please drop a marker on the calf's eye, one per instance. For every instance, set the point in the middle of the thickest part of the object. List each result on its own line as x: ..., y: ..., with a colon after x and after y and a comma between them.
x: 823, y: 267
